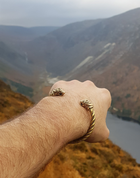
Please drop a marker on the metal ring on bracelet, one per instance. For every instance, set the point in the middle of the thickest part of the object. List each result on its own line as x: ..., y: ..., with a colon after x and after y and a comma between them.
x: 87, y: 105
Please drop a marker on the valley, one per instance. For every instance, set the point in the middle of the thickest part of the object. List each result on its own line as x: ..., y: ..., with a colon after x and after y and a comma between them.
x: 105, y: 51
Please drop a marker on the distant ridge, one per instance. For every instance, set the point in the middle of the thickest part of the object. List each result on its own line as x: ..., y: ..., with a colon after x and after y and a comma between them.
x: 17, y: 34
x: 21, y: 31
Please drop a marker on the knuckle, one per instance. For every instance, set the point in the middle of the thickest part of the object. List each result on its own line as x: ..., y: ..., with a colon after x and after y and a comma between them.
x: 90, y: 83
x: 74, y: 81
x: 105, y: 91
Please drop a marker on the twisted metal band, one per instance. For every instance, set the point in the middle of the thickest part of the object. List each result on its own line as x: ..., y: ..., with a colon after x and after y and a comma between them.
x: 57, y: 92
x: 87, y: 105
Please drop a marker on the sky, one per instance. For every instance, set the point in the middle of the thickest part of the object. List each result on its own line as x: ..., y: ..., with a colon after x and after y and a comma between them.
x: 30, y: 13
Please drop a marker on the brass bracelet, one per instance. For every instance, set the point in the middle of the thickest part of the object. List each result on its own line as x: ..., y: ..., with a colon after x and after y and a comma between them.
x: 84, y: 103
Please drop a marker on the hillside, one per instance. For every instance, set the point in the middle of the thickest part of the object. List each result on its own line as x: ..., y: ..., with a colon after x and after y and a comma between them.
x: 13, y: 60
x: 60, y: 51
x: 11, y: 103
x: 118, y: 66
x: 100, y: 160
x: 83, y: 160
x: 15, y: 65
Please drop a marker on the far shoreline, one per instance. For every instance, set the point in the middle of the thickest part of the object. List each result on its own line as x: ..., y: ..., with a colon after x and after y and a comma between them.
x: 126, y: 118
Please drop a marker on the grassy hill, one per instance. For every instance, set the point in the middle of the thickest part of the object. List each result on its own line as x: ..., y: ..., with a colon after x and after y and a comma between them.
x: 11, y: 103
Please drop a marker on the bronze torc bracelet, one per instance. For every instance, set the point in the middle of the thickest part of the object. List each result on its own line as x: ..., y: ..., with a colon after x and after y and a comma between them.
x: 84, y: 103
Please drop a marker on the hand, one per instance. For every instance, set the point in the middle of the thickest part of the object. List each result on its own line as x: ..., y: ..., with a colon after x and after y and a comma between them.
x: 79, y: 118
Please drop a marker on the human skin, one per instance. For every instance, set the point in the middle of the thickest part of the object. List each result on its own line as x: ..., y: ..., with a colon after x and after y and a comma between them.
x: 30, y: 141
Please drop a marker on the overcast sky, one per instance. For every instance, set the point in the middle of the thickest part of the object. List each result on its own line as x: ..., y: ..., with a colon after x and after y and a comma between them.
x: 59, y: 12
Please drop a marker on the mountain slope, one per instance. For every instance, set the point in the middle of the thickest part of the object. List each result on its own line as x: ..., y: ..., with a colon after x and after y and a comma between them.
x: 83, y: 160
x: 58, y: 50
x: 15, y: 66
x: 118, y: 69
x: 13, y: 59
x: 104, y: 39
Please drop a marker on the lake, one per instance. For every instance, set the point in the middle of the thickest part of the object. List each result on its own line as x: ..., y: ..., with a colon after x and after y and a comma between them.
x: 125, y: 134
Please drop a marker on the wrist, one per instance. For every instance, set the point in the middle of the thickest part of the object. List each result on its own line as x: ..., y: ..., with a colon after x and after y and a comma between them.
x: 66, y: 117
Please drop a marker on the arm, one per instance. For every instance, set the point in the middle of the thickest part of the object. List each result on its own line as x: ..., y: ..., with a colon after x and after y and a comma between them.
x: 29, y: 142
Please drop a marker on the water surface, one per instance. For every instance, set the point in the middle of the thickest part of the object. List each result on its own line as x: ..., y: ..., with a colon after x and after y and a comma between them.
x: 125, y: 134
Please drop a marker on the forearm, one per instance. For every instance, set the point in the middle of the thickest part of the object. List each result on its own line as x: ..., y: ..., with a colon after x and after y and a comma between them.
x: 31, y: 140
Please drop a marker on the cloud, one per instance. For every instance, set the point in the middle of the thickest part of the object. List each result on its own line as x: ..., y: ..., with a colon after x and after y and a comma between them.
x: 59, y: 12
